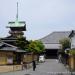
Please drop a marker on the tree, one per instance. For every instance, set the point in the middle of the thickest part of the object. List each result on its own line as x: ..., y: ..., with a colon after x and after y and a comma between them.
x: 22, y: 43
x: 65, y: 43
x: 36, y: 46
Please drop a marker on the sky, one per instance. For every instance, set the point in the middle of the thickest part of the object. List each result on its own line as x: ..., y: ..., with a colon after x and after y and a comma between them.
x: 42, y: 16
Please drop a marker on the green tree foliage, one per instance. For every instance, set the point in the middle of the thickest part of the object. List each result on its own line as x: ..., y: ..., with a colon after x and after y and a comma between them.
x: 36, y: 46
x: 31, y: 46
x: 65, y: 43
x: 72, y: 51
x: 22, y: 43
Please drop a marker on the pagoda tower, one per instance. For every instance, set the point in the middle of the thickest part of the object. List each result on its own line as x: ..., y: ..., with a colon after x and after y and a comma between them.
x: 17, y: 27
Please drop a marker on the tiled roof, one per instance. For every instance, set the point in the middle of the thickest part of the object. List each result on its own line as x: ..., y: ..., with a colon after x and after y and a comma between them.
x: 8, y: 47
x: 54, y: 37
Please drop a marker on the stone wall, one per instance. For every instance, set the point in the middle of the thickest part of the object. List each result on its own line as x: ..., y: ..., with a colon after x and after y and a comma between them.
x: 9, y: 68
x: 29, y: 58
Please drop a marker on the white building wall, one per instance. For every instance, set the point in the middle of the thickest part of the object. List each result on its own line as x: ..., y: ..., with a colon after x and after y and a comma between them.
x: 73, y: 42
x: 52, y: 46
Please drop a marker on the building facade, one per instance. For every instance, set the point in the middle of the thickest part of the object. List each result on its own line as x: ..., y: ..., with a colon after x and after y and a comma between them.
x: 52, y: 44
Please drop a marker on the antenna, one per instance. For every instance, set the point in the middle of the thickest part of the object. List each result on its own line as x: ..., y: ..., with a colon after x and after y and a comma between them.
x: 17, y: 12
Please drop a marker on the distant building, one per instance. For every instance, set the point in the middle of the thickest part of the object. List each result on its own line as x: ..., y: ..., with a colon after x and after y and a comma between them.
x: 72, y: 39
x: 51, y: 42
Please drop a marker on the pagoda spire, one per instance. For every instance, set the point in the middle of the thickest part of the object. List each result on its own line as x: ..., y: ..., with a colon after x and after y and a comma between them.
x: 17, y: 12
x: 17, y: 27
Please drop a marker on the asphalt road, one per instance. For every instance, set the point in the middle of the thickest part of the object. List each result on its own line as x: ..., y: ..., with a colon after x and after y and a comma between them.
x: 49, y: 67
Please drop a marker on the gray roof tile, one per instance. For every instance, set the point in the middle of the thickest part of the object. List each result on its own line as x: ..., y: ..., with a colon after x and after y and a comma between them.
x: 54, y: 37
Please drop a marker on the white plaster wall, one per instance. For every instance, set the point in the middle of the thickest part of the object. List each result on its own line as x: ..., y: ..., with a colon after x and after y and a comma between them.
x: 52, y: 46
x: 73, y: 42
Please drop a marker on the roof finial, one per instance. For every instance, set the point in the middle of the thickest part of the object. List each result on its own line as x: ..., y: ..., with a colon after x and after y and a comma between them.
x: 17, y: 12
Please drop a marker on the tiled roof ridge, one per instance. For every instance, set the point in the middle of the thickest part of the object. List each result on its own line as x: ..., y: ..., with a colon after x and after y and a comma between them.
x: 54, y: 32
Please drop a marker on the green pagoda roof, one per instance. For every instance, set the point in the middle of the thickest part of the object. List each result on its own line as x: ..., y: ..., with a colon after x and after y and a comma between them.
x: 17, y: 24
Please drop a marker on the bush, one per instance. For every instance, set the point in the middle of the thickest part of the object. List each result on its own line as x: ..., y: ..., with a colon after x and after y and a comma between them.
x: 72, y: 52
